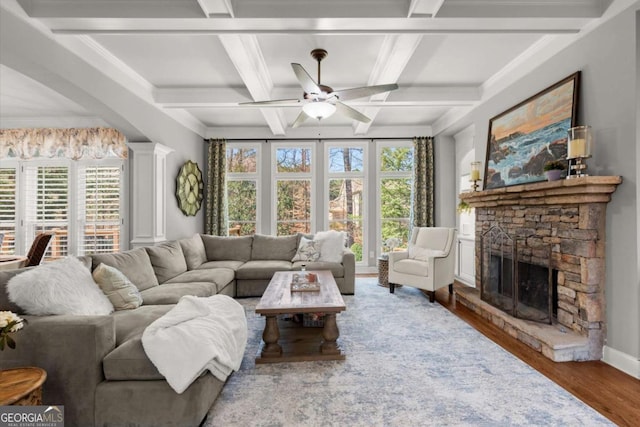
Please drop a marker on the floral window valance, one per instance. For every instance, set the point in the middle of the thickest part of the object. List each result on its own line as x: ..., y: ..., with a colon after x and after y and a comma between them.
x: 74, y: 143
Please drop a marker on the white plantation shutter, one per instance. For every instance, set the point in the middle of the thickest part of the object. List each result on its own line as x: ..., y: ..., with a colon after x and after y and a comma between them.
x: 8, y: 198
x: 47, y: 207
x: 99, y: 197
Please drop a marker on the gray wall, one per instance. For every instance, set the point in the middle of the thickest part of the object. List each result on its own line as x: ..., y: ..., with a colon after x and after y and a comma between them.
x: 608, y: 103
x: 190, y: 147
x: 445, y: 182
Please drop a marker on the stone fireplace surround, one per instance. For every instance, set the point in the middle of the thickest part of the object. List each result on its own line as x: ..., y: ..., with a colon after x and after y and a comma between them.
x: 570, y: 215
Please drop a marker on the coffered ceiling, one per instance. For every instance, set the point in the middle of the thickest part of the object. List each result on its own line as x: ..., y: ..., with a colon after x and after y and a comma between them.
x: 196, y: 60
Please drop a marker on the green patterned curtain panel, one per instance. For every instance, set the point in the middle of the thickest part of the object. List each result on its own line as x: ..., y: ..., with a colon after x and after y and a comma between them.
x: 216, y: 203
x: 423, y: 189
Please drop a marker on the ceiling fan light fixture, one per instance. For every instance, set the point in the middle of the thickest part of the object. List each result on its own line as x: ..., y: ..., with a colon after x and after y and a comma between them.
x: 319, y: 109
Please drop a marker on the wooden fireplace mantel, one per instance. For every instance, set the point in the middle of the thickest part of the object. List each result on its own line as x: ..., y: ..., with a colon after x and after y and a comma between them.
x: 588, y: 189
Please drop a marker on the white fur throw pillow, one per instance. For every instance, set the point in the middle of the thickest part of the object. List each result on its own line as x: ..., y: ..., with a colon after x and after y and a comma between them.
x: 117, y: 287
x: 308, y: 250
x: 331, y: 245
x: 59, y: 287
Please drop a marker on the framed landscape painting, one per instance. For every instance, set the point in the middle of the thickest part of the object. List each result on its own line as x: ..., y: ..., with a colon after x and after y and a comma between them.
x: 525, y: 137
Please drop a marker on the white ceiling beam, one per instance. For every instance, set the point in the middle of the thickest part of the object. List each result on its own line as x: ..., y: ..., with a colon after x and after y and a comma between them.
x: 323, y: 131
x: 245, y: 53
x: 394, y: 55
x: 279, y: 9
x: 529, y: 8
x: 334, y: 26
x: 212, y: 8
x: 424, y: 8
x: 107, y: 9
x: 420, y: 96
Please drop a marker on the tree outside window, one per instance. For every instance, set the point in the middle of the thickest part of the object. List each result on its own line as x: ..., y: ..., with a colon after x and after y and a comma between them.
x: 395, y: 183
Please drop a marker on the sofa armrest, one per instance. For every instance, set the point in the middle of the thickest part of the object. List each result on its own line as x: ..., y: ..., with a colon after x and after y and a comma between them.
x: 70, y: 349
x: 397, y: 256
x: 349, y: 265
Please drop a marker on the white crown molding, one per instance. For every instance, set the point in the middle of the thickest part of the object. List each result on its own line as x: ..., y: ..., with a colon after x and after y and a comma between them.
x: 342, y: 132
x: 52, y: 122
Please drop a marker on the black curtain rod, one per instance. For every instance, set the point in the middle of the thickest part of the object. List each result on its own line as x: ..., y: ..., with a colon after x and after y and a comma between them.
x: 312, y: 139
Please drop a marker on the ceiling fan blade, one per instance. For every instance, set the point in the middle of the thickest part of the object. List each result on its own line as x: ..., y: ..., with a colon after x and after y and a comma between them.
x: 275, y: 101
x: 361, y: 92
x: 307, y: 83
x: 300, y: 119
x: 345, y: 110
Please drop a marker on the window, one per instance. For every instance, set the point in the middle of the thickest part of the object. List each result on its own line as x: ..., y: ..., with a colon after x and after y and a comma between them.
x: 345, y: 192
x: 80, y: 201
x: 395, y: 181
x: 8, y: 209
x: 99, y: 209
x: 243, y: 187
x: 47, y: 206
x: 293, y: 188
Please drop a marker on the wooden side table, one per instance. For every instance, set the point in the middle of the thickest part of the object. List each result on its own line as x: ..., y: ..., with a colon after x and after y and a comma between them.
x: 383, y: 272
x: 21, y: 386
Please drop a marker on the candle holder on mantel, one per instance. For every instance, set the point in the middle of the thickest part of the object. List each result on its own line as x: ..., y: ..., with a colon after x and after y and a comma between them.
x: 475, y: 175
x: 579, y: 142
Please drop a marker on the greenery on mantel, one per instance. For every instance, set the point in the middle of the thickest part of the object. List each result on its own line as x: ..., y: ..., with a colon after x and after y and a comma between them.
x: 555, y: 165
x: 463, y: 207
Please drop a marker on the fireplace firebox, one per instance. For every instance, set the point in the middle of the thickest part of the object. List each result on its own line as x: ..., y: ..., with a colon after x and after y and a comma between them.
x: 516, y: 278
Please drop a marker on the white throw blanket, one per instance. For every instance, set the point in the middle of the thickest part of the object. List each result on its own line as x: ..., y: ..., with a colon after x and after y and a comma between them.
x: 197, y: 334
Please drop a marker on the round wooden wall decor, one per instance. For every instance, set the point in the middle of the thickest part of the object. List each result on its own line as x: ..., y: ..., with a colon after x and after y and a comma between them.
x: 189, y: 188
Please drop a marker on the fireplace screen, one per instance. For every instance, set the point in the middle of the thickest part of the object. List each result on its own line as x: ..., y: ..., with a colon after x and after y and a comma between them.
x: 517, y: 278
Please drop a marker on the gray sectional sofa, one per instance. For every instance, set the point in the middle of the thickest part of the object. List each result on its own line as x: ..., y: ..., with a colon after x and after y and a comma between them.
x: 96, y: 365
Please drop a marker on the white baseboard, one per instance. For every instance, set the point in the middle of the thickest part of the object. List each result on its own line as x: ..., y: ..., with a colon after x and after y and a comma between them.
x: 622, y: 361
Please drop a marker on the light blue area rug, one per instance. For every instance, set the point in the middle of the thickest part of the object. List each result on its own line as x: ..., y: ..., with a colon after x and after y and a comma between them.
x: 409, y: 363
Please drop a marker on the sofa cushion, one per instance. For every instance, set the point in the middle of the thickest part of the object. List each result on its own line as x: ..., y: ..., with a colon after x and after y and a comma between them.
x: 129, y: 361
x: 135, y: 264
x: 433, y: 238
x: 64, y: 286
x: 117, y: 287
x: 411, y: 266
x: 131, y: 323
x: 423, y: 254
x: 170, y: 293
x: 193, y: 250
x: 274, y: 247
x: 5, y: 303
x: 167, y: 260
x: 337, y: 269
x: 233, y: 265
x: 227, y: 248
x: 252, y: 270
x: 308, y: 250
x: 332, y: 244
x: 219, y: 276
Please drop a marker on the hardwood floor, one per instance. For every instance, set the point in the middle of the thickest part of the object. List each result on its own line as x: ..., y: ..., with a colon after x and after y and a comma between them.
x: 609, y: 391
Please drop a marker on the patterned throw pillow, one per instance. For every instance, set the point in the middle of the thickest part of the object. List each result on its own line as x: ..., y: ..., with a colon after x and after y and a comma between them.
x: 123, y: 294
x: 308, y: 250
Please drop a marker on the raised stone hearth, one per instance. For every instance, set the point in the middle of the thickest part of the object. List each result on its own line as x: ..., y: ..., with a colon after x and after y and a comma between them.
x: 570, y: 216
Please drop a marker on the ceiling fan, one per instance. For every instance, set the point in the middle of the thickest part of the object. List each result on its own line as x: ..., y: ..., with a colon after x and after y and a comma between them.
x: 321, y: 101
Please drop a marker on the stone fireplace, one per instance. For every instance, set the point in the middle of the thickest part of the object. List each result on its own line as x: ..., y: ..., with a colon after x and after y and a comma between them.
x: 558, y: 229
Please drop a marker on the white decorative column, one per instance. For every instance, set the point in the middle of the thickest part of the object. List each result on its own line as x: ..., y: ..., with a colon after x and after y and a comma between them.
x: 149, y: 193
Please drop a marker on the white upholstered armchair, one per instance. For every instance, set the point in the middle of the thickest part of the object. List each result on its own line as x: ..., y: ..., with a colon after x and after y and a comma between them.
x: 429, y: 262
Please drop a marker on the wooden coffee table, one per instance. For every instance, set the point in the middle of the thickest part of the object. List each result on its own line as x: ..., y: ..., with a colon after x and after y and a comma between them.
x: 286, y: 341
